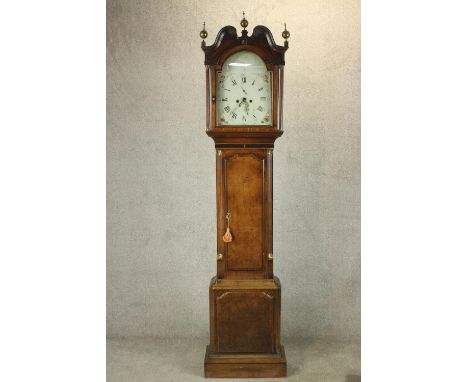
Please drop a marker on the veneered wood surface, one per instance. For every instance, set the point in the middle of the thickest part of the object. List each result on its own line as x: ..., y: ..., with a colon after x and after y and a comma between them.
x: 229, y: 365
x: 241, y: 136
x: 230, y: 284
x: 244, y: 178
x: 244, y: 188
x: 245, y: 322
x: 245, y: 370
x: 245, y: 308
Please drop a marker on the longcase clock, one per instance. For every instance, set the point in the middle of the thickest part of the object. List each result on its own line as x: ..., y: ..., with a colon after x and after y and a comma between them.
x: 244, y: 104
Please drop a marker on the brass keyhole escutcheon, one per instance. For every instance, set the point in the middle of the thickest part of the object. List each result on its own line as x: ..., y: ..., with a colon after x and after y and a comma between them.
x: 227, y: 237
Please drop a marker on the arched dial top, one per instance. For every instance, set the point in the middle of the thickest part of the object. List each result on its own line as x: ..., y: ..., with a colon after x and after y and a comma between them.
x: 244, y: 91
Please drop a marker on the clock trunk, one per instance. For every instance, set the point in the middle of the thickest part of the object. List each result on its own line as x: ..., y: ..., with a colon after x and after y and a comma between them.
x: 244, y: 185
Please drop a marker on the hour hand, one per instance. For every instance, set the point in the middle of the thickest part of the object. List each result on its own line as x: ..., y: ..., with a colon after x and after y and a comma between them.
x: 243, y: 90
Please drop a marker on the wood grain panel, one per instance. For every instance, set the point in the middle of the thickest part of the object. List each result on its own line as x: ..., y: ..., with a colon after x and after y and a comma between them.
x: 244, y: 190
x: 245, y: 322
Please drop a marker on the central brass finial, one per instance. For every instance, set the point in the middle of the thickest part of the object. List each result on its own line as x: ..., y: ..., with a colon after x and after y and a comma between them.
x: 285, y: 33
x: 203, y: 33
x: 244, y: 23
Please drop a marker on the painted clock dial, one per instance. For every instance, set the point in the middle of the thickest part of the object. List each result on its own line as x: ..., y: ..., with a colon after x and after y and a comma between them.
x: 243, y: 92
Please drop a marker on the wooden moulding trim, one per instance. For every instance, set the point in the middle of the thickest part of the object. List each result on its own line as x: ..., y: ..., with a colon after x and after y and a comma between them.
x: 233, y: 284
x: 244, y: 133
x: 245, y: 370
x: 244, y: 145
x: 259, y: 358
x: 227, y: 39
x: 244, y: 137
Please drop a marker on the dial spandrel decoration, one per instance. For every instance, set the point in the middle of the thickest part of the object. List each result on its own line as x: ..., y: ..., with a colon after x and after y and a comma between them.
x: 244, y: 88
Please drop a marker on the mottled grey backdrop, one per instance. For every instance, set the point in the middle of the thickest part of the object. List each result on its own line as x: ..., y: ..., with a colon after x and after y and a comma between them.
x: 161, y: 166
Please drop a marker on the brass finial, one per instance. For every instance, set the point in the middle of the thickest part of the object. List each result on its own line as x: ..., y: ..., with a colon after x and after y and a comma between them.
x: 244, y: 23
x: 285, y: 33
x: 203, y: 33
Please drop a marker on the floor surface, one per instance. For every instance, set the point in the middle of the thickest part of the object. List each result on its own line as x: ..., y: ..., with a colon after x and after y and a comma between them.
x: 181, y: 360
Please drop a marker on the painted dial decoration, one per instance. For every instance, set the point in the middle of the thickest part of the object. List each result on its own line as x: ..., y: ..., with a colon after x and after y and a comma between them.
x: 243, y: 91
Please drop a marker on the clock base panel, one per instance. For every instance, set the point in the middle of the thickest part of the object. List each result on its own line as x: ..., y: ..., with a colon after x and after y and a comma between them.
x: 242, y: 365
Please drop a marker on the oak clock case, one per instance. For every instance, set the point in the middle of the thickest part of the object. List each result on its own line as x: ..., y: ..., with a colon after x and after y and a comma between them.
x: 244, y: 80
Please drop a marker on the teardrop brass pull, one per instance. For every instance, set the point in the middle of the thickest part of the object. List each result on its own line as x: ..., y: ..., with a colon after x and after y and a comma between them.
x: 227, y: 238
